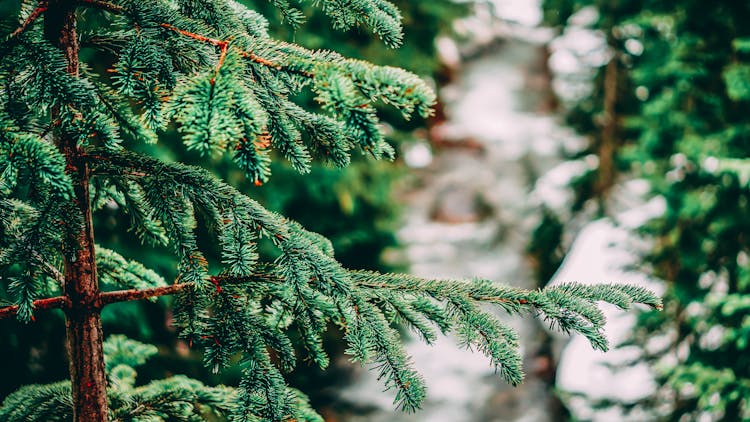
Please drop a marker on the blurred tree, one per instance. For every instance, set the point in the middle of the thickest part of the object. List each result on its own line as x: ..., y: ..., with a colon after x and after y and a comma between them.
x: 211, y: 69
x: 686, y: 130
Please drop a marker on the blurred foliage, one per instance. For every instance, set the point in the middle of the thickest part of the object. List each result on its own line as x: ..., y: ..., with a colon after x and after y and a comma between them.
x: 545, y: 246
x: 683, y: 124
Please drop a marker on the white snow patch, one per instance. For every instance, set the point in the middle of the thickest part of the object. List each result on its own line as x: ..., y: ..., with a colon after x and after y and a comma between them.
x: 553, y: 189
x: 599, y: 255
x: 417, y: 155
x: 639, y: 216
x: 525, y: 12
x: 448, y: 52
x: 587, y: 16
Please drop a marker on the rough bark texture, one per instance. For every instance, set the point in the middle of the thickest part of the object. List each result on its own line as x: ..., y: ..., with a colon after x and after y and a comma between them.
x: 83, y: 320
x: 134, y: 294
x: 59, y: 302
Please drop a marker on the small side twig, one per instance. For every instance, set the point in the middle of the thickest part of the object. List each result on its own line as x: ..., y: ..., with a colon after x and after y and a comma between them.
x: 41, y: 8
x: 224, y: 45
x: 107, y: 298
x: 58, y: 302
x: 50, y: 269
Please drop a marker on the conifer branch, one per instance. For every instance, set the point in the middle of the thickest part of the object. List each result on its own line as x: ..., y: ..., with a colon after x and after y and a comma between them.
x: 50, y: 269
x: 223, y: 45
x: 107, y: 298
x: 58, y: 302
x: 261, y: 60
x: 202, y: 38
x: 41, y: 8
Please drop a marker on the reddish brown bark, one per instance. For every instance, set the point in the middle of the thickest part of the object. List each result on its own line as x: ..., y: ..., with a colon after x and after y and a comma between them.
x: 83, y: 320
x: 41, y: 8
x: 128, y: 295
x: 59, y: 302
x: 106, y: 298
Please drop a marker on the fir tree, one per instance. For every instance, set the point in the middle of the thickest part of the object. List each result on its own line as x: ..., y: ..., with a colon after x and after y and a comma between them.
x: 210, y: 68
x: 685, y: 130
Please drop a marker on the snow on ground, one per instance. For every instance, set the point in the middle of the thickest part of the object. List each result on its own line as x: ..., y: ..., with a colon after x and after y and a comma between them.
x: 492, y: 188
x: 600, y: 253
x: 552, y: 190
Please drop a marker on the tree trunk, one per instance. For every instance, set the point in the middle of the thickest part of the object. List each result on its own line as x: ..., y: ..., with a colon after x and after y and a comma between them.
x: 608, y: 141
x: 83, y: 319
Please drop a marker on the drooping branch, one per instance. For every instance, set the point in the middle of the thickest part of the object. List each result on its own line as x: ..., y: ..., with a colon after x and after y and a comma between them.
x: 41, y: 8
x: 58, y: 302
x: 489, y: 299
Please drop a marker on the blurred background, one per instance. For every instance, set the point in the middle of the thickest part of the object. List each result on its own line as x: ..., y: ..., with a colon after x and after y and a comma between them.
x: 575, y: 140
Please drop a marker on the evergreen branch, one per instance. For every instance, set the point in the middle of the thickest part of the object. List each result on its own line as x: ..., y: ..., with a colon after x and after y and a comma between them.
x: 177, y: 398
x: 223, y: 45
x: 58, y: 302
x: 41, y: 8
x: 30, y: 247
x: 48, y: 268
x: 115, y: 270
x: 107, y: 298
x: 202, y: 38
x: 36, y: 403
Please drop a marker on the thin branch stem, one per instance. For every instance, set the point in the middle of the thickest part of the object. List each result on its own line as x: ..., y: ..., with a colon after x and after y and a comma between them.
x: 50, y: 269
x: 213, y: 41
x: 107, y: 298
x: 58, y: 302
x: 223, y: 45
x: 260, y: 60
x: 41, y: 8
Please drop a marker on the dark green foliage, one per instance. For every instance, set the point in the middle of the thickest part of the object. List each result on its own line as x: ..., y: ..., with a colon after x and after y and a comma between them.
x: 687, y: 134
x: 174, y: 398
x: 115, y: 270
x: 545, y: 247
x: 50, y: 402
x: 210, y: 68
